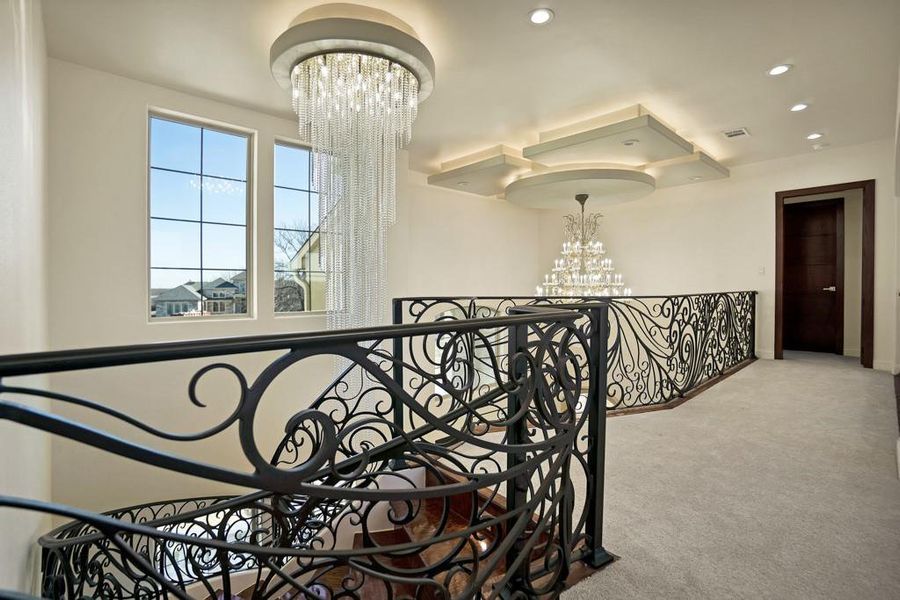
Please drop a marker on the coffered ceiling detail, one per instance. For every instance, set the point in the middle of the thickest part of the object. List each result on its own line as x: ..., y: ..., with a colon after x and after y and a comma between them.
x: 626, y: 154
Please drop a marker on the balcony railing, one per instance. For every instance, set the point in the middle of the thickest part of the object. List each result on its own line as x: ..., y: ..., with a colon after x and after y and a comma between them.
x: 460, y: 453
x: 352, y: 505
x: 660, y: 349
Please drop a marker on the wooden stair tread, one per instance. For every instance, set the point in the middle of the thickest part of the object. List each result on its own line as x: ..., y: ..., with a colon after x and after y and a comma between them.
x: 423, y: 528
x: 391, y: 537
x: 244, y: 595
x: 496, y: 502
x: 374, y: 588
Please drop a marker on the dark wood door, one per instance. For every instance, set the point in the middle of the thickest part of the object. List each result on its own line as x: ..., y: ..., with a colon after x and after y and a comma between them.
x: 814, y: 276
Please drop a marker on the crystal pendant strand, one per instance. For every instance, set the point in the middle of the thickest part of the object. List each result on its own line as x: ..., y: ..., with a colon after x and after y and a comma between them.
x: 581, y: 269
x: 356, y: 111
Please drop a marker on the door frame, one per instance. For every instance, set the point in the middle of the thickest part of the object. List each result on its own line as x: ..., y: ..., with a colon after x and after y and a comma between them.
x: 867, y: 316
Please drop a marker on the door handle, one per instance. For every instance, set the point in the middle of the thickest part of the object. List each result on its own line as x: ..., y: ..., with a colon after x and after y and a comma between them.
x: 830, y: 288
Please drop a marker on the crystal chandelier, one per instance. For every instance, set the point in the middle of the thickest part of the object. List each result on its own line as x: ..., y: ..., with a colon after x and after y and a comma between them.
x: 355, y: 110
x: 357, y: 76
x: 581, y: 269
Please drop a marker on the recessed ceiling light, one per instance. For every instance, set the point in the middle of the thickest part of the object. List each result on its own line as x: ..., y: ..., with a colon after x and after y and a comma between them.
x: 462, y: 183
x: 695, y: 178
x: 814, y: 136
x: 799, y: 106
x: 540, y: 16
x: 631, y: 142
x: 780, y: 69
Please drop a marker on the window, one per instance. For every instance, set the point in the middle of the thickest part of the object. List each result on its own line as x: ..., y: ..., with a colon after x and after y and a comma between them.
x: 299, y: 277
x: 199, y: 202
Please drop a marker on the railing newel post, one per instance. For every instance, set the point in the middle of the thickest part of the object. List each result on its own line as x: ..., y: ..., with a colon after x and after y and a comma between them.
x: 753, y: 325
x: 516, y: 434
x: 597, y: 555
x: 398, y: 375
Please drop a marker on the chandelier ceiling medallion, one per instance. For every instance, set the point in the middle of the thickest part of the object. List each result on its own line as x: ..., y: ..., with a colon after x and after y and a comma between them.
x: 357, y: 76
x: 581, y: 269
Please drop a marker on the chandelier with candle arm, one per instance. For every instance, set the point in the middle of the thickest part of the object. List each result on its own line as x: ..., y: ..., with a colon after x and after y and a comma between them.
x: 582, y: 269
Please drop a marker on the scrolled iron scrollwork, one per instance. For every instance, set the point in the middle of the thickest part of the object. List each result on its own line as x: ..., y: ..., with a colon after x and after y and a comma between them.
x: 441, y: 462
x: 660, y: 347
x: 477, y: 415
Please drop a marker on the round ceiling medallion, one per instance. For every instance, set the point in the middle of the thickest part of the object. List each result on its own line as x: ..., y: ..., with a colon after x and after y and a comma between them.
x: 555, y: 188
x: 349, y: 28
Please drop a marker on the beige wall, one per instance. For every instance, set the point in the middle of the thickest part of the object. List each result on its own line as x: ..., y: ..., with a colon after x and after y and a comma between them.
x: 720, y: 235
x: 443, y: 242
x: 98, y: 281
x: 457, y: 243
x: 897, y: 194
x: 852, y: 263
x: 24, y: 454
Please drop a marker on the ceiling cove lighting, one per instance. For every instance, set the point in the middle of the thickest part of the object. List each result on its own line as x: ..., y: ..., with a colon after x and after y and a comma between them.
x: 799, y: 106
x: 357, y: 76
x: 540, y: 16
x: 814, y: 136
x: 780, y: 69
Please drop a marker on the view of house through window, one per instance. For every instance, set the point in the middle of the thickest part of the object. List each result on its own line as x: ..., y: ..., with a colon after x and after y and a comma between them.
x: 299, y: 277
x: 198, y: 220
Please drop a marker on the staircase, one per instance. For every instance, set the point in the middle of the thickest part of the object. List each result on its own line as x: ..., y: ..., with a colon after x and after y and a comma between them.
x: 410, y: 551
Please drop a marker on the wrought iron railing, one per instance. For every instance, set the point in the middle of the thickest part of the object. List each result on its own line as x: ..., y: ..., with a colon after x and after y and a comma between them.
x: 660, y: 347
x: 474, y: 493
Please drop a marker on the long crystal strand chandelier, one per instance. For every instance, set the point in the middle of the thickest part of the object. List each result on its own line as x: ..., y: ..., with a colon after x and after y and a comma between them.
x: 355, y: 110
x: 582, y: 269
x: 357, y: 76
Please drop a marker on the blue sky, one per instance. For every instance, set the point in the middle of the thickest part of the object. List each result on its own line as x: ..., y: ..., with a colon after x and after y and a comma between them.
x: 198, y: 173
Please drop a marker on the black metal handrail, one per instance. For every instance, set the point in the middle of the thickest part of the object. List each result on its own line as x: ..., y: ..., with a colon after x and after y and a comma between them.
x: 330, y: 471
x: 111, y: 356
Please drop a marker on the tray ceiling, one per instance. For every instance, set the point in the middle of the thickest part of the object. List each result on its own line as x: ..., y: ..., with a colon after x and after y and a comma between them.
x: 499, y: 79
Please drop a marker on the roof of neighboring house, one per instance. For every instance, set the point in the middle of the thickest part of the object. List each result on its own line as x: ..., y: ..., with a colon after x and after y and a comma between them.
x: 310, y: 244
x: 190, y: 291
x: 220, y: 283
x: 215, y: 284
x: 182, y: 293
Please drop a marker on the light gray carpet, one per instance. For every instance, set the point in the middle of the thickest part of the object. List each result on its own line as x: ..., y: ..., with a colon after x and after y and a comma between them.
x: 779, y: 482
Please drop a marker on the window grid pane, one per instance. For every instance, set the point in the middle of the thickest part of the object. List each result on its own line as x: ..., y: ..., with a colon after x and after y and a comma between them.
x: 198, y: 184
x: 299, y: 284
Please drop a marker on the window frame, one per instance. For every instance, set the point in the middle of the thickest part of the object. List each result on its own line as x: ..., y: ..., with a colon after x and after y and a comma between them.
x: 290, y: 143
x: 249, y: 224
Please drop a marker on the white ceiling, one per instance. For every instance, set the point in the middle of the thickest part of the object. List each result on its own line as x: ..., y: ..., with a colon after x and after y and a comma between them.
x: 698, y: 64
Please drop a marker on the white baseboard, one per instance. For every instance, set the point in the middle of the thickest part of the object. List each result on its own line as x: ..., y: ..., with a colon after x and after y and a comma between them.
x: 884, y: 365
x: 852, y: 352
x: 769, y: 354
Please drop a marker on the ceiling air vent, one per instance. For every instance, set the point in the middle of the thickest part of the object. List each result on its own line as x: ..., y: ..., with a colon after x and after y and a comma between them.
x: 736, y: 133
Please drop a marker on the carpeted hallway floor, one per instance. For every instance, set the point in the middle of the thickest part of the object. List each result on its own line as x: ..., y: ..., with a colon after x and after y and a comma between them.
x: 779, y: 482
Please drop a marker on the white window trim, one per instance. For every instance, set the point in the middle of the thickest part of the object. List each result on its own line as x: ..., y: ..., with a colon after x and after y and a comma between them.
x: 252, y: 136
x: 285, y: 141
